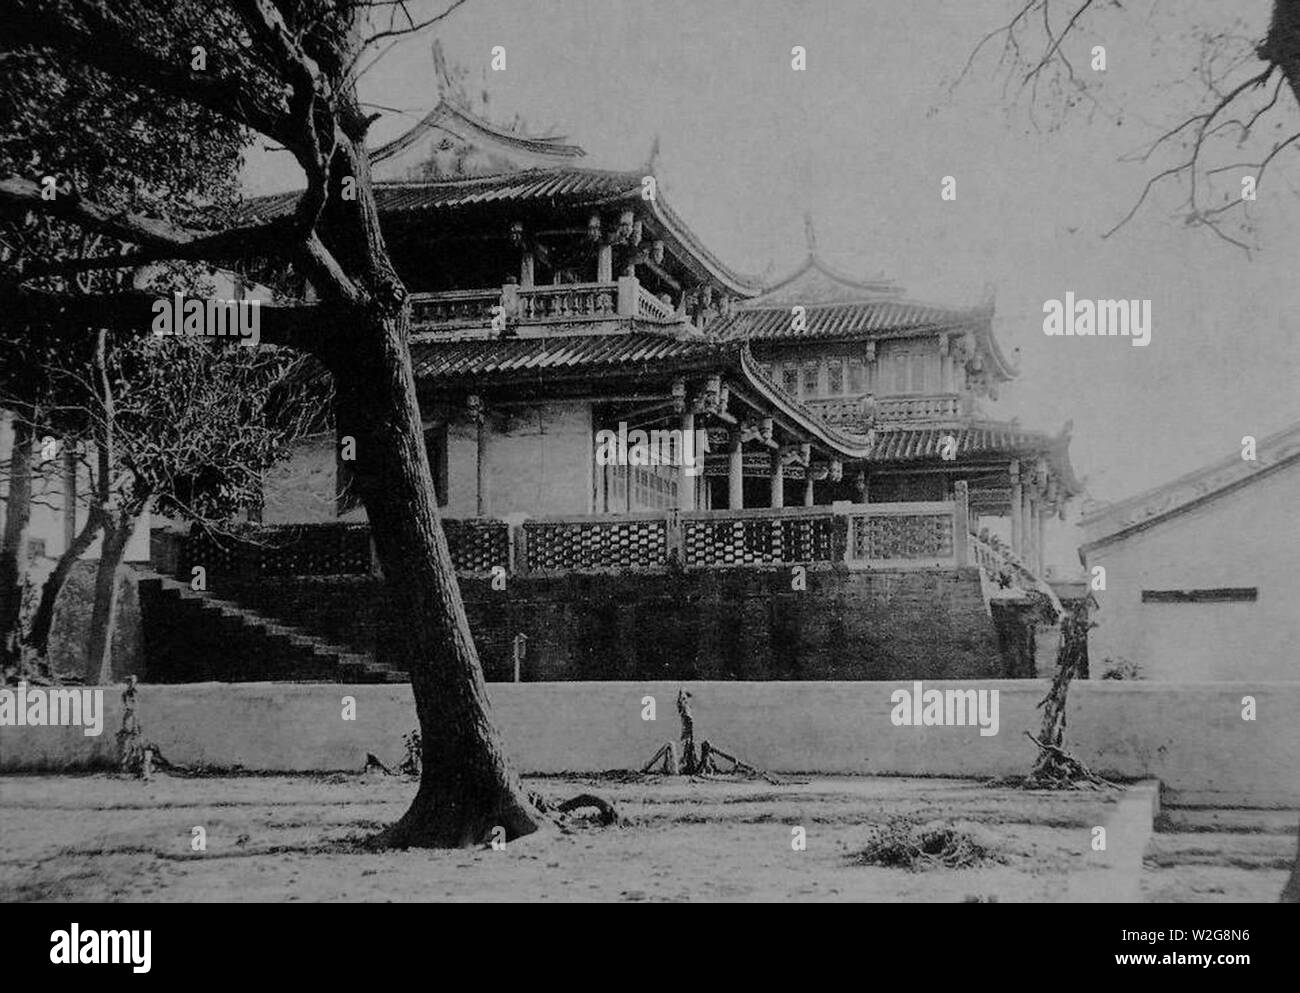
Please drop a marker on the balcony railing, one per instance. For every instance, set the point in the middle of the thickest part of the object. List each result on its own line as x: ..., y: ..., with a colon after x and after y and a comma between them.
x: 650, y: 308
x: 847, y: 412
x: 918, y: 408
x: 861, y: 536
x: 456, y: 308
x: 861, y: 411
x: 1003, y: 570
x: 565, y: 303
x: 905, y: 534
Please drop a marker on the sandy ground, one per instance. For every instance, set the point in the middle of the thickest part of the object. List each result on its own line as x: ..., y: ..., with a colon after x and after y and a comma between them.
x: 287, y: 838
x: 1201, y: 855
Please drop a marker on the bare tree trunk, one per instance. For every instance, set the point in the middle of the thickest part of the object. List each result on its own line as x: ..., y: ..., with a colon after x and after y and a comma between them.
x: 13, y: 544
x: 1291, y: 892
x: 38, y: 637
x: 467, y: 785
x: 103, y: 618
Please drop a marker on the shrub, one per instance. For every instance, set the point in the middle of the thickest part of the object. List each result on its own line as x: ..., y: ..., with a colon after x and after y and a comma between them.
x: 903, y: 843
x: 1121, y: 668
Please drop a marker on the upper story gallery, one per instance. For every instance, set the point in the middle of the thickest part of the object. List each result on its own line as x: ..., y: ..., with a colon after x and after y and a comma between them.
x: 550, y: 301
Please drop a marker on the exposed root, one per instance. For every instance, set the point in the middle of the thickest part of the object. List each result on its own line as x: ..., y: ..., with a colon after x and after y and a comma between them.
x: 137, y: 756
x: 608, y: 812
x: 670, y: 760
x: 1057, y: 769
x: 373, y: 764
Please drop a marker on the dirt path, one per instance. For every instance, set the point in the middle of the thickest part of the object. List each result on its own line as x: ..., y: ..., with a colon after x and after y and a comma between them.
x: 295, y: 838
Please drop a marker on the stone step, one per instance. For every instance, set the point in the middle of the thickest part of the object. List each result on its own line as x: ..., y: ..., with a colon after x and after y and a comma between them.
x: 291, y: 647
x: 1187, y: 820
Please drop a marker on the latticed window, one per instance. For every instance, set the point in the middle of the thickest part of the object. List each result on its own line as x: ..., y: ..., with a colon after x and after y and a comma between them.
x: 835, y: 376
x: 811, y: 384
x: 653, y: 488
x: 919, y: 380
x: 790, y: 379
x: 617, y: 499
x: 899, y: 368
x: 857, y: 376
x: 907, y: 370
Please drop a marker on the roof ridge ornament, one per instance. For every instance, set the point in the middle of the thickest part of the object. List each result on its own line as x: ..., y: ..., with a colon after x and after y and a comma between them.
x: 810, y: 232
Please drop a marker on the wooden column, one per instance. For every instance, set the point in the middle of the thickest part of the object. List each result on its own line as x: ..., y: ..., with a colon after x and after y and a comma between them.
x: 69, y: 494
x: 605, y: 264
x: 1040, y: 560
x: 736, y: 474
x: 526, y: 271
x: 685, y: 481
x: 1026, y: 526
x: 474, y: 406
x: 480, y: 466
x: 961, y: 522
x: 1017, y: 492
x: 777, y: 479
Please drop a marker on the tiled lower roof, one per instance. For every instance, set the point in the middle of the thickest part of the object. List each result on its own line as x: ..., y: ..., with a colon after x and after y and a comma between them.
x: 902, y: 443
x: 873, y: 318
x: 570, y: 186
x: 516, y: 358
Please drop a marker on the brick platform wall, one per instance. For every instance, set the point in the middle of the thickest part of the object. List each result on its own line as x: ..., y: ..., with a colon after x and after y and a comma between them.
x: 734, y: 624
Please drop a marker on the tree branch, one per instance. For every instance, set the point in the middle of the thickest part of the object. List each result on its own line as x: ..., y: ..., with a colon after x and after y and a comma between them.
x: 90, y: 33
x: 306, y: 327
x: 160, y: 239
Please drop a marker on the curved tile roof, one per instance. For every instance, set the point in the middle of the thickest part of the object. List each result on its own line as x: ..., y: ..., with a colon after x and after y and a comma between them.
x: 511, y: 359
x: 877, y: 318
x: 902, y: 442
x: 570, y: 187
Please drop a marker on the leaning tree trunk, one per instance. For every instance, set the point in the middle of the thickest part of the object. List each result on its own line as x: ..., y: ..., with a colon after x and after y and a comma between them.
x: 38, y: 637
x: 467, y: 785
x: 103, y: 618
x: 13, y: 544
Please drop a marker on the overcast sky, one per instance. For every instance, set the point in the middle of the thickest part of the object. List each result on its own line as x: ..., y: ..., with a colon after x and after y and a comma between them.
x: 863, y: 138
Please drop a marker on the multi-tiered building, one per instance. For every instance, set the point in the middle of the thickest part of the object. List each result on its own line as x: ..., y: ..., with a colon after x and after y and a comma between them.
x: 552, y: 302
x: 831, y: 527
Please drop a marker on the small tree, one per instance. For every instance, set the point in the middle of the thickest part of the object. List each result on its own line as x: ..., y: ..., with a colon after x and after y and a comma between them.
x: 77, y: 132
x: 179, y: 427
x: 288, y: 69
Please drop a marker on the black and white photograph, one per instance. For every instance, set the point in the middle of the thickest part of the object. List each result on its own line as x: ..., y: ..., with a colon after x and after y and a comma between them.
x: 614, y: 451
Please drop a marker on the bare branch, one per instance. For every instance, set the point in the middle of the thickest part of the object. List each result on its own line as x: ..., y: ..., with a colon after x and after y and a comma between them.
x: 1055, y: 48
x: 414, y: 28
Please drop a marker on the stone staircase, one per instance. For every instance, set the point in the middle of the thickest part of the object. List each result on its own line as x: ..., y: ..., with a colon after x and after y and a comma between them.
x: 194, y: 636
